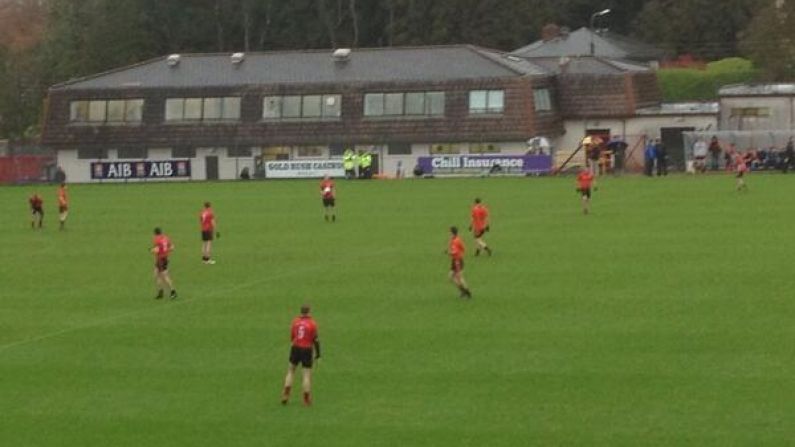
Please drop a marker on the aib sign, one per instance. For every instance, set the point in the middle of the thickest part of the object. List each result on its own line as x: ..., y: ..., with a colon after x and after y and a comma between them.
x: 140, y: 169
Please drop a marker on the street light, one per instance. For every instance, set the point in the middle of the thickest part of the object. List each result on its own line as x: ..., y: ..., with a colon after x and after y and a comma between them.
x: 593, y: 17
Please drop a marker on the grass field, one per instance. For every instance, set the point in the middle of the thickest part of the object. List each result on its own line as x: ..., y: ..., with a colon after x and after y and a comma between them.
x: 664, y: 318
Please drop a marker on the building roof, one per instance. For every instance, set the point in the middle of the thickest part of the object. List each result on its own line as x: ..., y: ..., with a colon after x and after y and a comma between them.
x: 578, y: 43
x: 680, y: 108
x: 433, y: 63
x: 587, y: 65
x: 757, y: 90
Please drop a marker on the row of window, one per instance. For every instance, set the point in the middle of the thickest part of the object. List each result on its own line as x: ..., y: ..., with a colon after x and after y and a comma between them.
x: 300, y: 151
x: 305, y: 107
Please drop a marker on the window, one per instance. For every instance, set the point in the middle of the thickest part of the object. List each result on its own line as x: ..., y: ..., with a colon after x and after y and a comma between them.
x: 206, y: 109
x: 486, y: 101
x: 442, y: 149
x: 115, y: 111
x: 309, y: 151
x: 133, y: 152
x: 541, y: 100
x: 750, y: 111
x: 374, y: 104
x: 91, y: 153
x: 238, y: 152
x: 304, y: 107
x: 404, y: 104
x: 336, y: 149
x: 399, y: 149
x: 183, y: 152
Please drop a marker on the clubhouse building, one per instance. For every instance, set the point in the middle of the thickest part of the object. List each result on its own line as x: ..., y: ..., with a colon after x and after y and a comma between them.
x: 293, y: 113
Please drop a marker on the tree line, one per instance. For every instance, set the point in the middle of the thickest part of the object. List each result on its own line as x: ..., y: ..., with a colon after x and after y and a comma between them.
x: 43, y: 42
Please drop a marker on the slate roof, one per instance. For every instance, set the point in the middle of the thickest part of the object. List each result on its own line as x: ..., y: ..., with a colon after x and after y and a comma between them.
x: 587, y: 65
x: 578, y: 43
x: 366, y: 65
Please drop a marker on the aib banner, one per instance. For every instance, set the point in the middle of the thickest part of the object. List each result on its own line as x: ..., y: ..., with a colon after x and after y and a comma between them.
x: 478, y: 164
x: 304, y: 168
x: 124, y: 170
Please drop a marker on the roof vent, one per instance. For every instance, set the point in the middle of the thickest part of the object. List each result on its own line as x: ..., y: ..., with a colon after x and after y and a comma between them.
x: 237, y: 58
x: 341, y: 54
x: 514, y: 58
x: 173, y: 60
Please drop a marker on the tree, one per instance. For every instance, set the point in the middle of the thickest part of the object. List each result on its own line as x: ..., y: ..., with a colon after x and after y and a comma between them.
x: 769, y: 40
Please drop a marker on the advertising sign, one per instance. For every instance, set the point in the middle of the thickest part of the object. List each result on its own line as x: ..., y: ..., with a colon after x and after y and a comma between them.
x: 123, y: 170
x: 304, y: 168
x: 478, y: 164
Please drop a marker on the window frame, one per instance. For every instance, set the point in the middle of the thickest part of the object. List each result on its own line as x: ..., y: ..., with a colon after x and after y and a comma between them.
x: 80, y: 111
x: 273, y: 107
x: 375, y: 104
x: 490, y: 97
x: 542, y: 100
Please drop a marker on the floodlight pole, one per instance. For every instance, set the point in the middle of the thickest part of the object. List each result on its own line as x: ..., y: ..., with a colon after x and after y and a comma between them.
x: 593, y: 18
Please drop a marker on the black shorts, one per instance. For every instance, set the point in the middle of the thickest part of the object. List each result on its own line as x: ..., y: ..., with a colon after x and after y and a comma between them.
x: 479, y: 233
x: 328, y: 201
x: 457, y: 265
x: 302, y: 356
x: 586, y: 192
x: 207, y: 235
x: 38, y: 211
x: 63, y: 208
x: 161, y: 264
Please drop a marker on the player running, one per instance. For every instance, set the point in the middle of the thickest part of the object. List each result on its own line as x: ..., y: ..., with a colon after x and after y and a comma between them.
x: 36, y: 211
x: 327, y: 194
x: 207, y: 221
x: 456, y: 251
x: 63, y: 206
x: 303, y: 335
x: 584, y: 186
x: 740, y: 167
x: 161, y: 249
x: 479, y: 226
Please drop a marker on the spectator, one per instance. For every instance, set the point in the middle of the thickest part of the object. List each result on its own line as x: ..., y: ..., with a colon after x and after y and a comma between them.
x: 245, y: 174
x: 789, y: 157
x: 714, y: 153
x: 60, y: 176
x: 648, y: 157
x: 661, y: 156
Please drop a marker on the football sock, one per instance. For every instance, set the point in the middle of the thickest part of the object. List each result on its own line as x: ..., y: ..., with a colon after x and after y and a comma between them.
x: 333, y: 217
x: 285, y: 395
x: 477, y: 252
x: 159, y: 294
x: 307, y: 399
x: 173, y: 294
x: 488, y: 250
x: 326, y: 217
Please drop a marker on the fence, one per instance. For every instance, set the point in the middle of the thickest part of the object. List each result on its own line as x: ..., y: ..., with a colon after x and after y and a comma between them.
x: 767, y: 146
x: 16, y: 169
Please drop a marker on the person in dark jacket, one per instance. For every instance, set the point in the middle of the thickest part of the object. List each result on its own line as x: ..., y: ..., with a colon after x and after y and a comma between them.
x: 788, y: 159
x: 648, y: 158
x: 661, y: 156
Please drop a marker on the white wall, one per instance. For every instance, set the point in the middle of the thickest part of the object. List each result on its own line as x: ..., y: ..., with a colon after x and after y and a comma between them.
x: 781, y: 108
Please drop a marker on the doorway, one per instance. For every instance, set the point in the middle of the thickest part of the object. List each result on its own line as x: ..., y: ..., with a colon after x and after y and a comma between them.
x: 211, y: 167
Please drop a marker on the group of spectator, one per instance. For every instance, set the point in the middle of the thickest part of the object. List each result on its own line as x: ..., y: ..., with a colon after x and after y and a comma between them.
x: 655, y: 156
x: 708, y: 156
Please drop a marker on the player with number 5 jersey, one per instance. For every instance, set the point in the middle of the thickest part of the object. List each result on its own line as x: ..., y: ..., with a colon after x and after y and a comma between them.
x: 304, y: 339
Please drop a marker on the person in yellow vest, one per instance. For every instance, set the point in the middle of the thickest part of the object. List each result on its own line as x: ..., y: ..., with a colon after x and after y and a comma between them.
x: 349, y: 163
x: 365, y: 164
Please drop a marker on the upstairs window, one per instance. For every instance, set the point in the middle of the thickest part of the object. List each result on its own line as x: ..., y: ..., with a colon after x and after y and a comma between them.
x: 203, y: 109
x: 113, y: 111
x: 412, y: 104
x: 541, y: 100
x: 308, y: 107
x: 486, y: 101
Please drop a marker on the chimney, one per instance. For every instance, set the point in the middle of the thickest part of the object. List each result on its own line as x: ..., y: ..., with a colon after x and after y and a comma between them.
x: 550, y: 31
x: 237, y: 58
x: 341, y: 55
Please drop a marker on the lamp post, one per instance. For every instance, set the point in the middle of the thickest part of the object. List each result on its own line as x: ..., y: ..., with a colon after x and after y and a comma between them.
x: 593, y: 17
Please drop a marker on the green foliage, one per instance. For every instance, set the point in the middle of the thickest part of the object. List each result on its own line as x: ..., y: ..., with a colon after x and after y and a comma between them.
x: 662, y: 319
x: 769, y: 40
x: 691, y: 84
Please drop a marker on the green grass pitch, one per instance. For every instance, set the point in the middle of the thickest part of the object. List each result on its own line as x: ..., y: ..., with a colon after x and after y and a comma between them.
x: 664, y: 318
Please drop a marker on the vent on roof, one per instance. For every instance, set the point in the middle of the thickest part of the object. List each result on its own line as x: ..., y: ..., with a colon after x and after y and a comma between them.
x: 341, y: 55
x: 237, y: 58
x: 514, y: 58
x: 173, y: 60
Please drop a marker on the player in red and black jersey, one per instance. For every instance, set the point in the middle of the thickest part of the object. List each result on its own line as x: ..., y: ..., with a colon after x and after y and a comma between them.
x: 479, y: 226
x: 162, y: 247
x: 36, y: 211
x: 303, y: 335
x: 327, y: 193
x: 456, y: 251
x: 209, y: 232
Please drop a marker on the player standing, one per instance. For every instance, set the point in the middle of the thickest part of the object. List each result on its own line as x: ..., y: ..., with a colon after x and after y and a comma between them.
x: 327, y: 194
x: 161, y: 249
x: 63, y: 205
x: 479, y: 226
x: 741, y: 168
x: 36, y: 210
x: 303, y: 335
x: 207, y: 220
x: 456, y: 251
x: 584, y: 186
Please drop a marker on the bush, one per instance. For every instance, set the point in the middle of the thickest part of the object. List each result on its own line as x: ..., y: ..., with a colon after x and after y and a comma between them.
x: 689, y: 84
